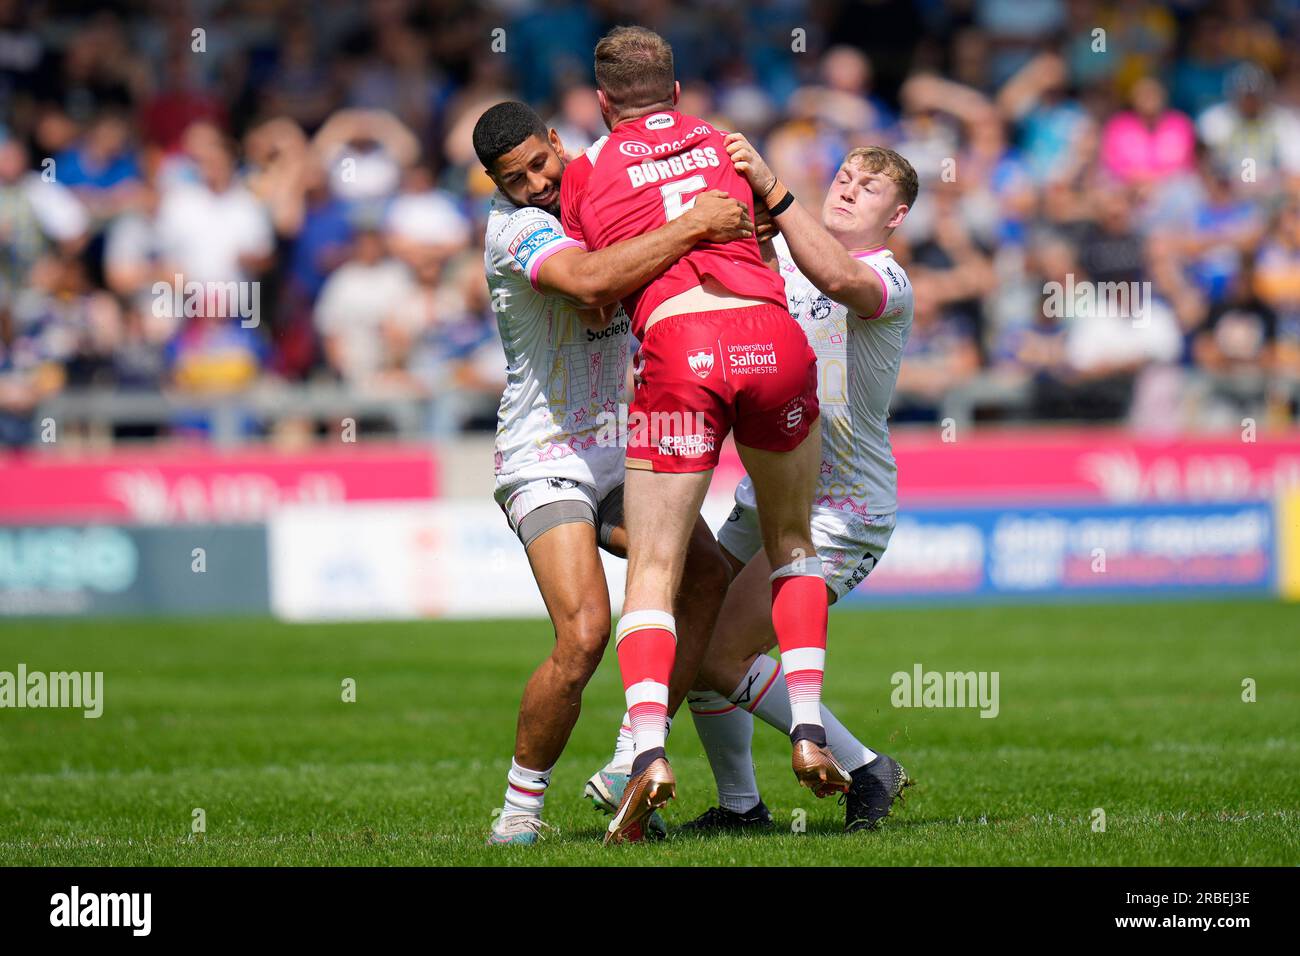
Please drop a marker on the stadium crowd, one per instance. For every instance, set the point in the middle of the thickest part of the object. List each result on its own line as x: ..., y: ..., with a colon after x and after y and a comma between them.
x: 320, y: 156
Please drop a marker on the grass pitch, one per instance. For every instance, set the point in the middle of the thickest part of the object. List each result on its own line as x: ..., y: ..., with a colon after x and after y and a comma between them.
x: 1133, y: 709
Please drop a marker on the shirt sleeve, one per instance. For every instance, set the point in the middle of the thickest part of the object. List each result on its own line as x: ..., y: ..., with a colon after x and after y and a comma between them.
x: 895, y: 289
x: 527, y: 239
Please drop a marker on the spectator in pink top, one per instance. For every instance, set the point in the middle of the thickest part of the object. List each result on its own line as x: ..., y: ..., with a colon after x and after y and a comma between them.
x: 1150, y: 141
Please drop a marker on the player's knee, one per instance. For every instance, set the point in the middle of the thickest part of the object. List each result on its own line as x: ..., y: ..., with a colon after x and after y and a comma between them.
x: 717, y: 673
x: 580, y: 644
x: 789, y: 547
x: 707, y: 572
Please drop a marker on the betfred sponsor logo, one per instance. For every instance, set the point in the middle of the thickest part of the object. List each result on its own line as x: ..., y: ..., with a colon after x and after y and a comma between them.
x: 535, y: 240
x: 700, y: 361
x: 752, y: 359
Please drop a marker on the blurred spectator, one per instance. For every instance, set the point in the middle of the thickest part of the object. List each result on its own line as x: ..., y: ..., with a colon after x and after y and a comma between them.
x: 101, y: 168
x: 213, y: 356
x: 1250, y: 137
x: 1201, y: 72
x: 1277, y: 283
x: 1110, y: 247
x: 1150, y: 141
x: 365, y: 152
x: 213, y: 229
x: 1055, y: 130
x: 36, y: 214
x: 356, y: 303
x: 1237, y: 346
x: 179, y: 103
x: 1225, y: 226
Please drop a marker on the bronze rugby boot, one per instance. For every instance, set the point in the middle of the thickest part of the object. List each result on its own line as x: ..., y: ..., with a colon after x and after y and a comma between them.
x: 813, y: 764
x: 645, y: 793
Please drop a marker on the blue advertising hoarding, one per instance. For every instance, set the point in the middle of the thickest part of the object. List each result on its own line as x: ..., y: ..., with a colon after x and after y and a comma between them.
x: 1072, y: 552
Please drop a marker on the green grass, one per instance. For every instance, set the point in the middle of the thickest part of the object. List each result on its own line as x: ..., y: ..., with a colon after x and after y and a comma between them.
x: 1135, y: 709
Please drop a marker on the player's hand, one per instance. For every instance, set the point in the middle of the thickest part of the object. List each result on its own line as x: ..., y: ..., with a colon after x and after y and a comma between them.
x: 749, y: 164
x: 599, y: 317
x: 765, y: 227
x: 721, y: 216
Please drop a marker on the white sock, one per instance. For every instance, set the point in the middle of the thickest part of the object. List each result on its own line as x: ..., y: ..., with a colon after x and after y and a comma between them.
x: 625, y: 745
x: 526, y: 789
x: 624, y: 748
x: 763, y: 693
x: 726, y: 732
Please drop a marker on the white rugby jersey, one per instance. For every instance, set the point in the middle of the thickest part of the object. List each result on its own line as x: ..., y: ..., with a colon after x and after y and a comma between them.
x: 564, y: 383
x: 857, y: 366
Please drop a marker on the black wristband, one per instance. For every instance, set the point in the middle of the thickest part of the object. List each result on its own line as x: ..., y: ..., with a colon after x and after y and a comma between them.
x: 783, y: 205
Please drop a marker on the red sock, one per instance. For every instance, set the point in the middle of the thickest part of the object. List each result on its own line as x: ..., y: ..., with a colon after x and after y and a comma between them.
x: 646, y: 642
x: 799, y: 619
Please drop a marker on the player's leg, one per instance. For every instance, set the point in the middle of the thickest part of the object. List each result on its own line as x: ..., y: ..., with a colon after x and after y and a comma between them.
x: 701, y: 591
x: 661, y: 510
x: 783, y: 486
x: 780, y: 444
x: 560, y: 541
x: 737, y: 665
x: 705, y: 576
x: 726, y: 728
x: 695, y: 608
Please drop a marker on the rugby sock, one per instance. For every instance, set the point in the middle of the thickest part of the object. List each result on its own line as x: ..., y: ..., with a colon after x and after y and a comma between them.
x: 646, y: 642
x: 624, y: 748
x: 726, y: 732
x: 526, y: 789
x: 763, y: 693
x: 799, y: 619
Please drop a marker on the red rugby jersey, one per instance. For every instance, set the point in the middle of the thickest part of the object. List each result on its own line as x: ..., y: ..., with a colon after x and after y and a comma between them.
x: 646, y: 172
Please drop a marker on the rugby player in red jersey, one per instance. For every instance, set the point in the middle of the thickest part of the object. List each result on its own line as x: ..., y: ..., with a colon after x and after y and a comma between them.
x: 559, y: 460
x: 719, y: 352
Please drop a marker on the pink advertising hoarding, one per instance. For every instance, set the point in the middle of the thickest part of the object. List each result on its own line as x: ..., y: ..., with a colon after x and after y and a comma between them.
x: 198, y: 484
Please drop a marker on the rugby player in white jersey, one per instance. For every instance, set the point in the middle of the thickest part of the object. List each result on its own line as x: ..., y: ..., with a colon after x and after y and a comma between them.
x: 559, y: 475
x: 854, y: 302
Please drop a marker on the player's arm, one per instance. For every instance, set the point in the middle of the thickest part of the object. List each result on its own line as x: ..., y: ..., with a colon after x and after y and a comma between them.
x: 765, y: 231
x: 594, y: 279
x: 817, y: 253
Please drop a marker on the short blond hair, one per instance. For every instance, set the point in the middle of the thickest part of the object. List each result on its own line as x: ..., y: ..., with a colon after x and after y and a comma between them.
x: 880, y: 159
x: 634, y: 68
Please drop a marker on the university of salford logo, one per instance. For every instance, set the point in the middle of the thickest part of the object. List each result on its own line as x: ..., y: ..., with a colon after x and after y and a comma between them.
x: 634, y: 149
x: 700, y: 361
